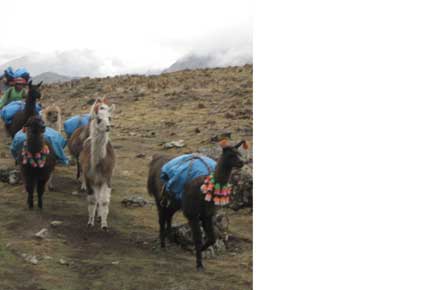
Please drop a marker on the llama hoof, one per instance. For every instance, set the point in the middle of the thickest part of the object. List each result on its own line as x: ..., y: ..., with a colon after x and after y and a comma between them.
x: 90, y: 225
x: 200, y: 268
x: 105, y: 229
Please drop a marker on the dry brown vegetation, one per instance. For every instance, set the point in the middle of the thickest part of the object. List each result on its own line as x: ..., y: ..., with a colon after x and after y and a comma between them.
x: 190, y: 105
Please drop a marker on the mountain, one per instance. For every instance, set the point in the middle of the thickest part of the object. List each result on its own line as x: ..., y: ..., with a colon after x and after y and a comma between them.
x: 50, y: 78
x: 220, y: 59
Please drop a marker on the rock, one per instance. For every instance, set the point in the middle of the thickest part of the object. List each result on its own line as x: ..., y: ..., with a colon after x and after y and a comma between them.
x: 30, y: 258
x: 132, y: 134
x: 126, y: 173
x: 10, y: 175
x: 140, y: 155
x: 42, y: 234
x: 115, y: 263
x: 201, y: 106
x: 242, y: 188
x: 33, y: 260
x: 174, y: 144
x: 56, y: 223
x: 75, y: 192
x: 169, y: 124
x: 229, y: 115
x: 182, y: 235
x: 63, y: 262
x: 47, y: 257
x: 134, y: 201
x: 197, y: 130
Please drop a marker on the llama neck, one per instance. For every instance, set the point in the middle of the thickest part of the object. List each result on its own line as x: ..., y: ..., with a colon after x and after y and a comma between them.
x: 99, y: 142
x: 34, y: 143
x: 30, y: 105
x: 222, y: 172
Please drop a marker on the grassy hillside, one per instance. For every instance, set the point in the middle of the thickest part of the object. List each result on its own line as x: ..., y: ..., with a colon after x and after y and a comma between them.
x: 189, y: 105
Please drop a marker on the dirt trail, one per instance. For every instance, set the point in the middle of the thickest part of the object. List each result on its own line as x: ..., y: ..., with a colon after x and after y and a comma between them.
x: 150, y: 111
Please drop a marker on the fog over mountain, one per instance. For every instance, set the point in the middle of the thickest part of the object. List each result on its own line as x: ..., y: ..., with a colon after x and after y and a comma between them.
x: 220, y: 50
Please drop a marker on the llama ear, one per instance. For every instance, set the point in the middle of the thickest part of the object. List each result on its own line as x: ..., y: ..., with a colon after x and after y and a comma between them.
x: 39, y: 84
x: 242, y: 142
x: 30, y: 83
x: 224, y: 143
x: 105, y: 101
x: 96, y: 108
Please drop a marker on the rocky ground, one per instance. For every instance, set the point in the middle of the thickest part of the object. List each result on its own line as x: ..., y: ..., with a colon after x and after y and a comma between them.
x: 195, y: 106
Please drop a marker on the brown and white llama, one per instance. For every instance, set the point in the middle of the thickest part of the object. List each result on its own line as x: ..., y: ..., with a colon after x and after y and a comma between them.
x: 37, y: 160
x: 97, y: 161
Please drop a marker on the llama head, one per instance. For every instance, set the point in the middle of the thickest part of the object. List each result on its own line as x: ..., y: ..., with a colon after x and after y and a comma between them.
x: 52, y: 114
x: 34, y: 125
x: 101, y: 113
x: 34, y: 90
x: 231, y: 156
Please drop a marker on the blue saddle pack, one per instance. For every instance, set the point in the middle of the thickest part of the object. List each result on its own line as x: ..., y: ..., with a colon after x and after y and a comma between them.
x: 182, y: 169
x: 73, y: 123
x: 50, y: 135
x: 8, y: 112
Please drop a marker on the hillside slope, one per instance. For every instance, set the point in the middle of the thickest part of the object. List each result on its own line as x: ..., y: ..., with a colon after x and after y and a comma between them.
x: 191, y: 105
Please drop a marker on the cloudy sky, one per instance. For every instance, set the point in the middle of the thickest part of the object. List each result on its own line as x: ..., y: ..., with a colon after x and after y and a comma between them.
x: 112, y: 37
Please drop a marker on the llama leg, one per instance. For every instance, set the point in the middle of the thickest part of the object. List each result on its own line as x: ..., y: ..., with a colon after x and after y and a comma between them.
x: 162, y: 220
x: 197, y: 237
x: 83, y: 183
x: 41, y: 184
x: 30, y: 184
x: 78, y: 168
x: 92, y: 200
x: 49, y: 183
x: 169, y: 219
x: 104, y: 205
x: 208, y: 227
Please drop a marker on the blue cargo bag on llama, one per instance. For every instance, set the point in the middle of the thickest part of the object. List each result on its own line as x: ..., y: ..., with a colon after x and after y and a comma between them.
x: 8, y: 112
x: 50, y: 135
x: 73, y: 123
x: 178, y: 171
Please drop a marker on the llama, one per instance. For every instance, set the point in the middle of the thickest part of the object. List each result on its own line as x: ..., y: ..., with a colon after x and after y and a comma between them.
x: 37, y: 160
x: 75, y: 145
x: 196, y: 205
x: 52, y: 117
x: 21, y: 117
x: 97, y: 160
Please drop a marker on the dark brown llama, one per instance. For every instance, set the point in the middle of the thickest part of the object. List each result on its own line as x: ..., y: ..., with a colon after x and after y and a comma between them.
x: 37, y: 160
x: 193, y: 204
x: 21, y: 117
